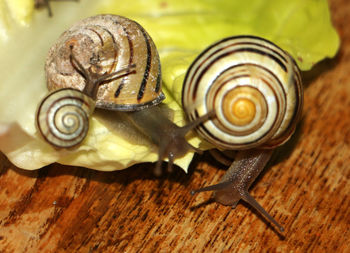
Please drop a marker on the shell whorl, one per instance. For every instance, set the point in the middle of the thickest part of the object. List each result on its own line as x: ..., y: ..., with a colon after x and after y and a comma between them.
x: 253, y: 86
x: 106, y: 44
x: 63, y: 117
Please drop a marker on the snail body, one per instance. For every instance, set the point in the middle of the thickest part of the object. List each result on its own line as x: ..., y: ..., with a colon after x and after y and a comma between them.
x: 255, y: 90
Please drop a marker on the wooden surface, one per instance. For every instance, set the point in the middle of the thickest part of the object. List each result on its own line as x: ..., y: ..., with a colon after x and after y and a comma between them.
x: 306, y: 189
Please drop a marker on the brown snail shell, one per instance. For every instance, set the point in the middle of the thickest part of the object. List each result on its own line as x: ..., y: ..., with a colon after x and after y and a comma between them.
x: 105, y: 44
x: 105, y: 61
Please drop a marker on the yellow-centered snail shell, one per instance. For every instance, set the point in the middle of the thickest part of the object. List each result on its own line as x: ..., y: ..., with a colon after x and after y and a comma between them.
x: 254, y: 90
x: 253, y: 86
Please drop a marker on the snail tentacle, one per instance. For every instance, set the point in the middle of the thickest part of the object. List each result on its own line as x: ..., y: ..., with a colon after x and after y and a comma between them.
x: 252, y: 202
x: 169, y: 138
x: 170, y: 143
x: 78, y: 66
x: 237, y: 180
x: 109, y: 77
x: 94, y: 80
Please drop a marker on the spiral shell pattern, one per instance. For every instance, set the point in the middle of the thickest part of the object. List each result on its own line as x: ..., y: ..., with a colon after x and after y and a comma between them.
x: 107, y: 44
x: 253, y: 86
x: 63, y: 117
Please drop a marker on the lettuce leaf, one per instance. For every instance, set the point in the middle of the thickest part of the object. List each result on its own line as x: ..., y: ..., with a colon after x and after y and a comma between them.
x: 181, y: 30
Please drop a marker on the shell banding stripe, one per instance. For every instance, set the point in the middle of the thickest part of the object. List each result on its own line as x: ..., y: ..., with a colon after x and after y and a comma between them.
x: 148, y: 64
x: 109, y: 43
x: 63, y: 117
x: 254, y: 88
x: 294, y: 116
x: 131, y: 51
x: 147, y: 67
x: 115, y: 55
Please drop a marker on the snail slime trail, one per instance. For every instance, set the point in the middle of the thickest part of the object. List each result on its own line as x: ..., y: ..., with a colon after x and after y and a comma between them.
x: 255, y: 90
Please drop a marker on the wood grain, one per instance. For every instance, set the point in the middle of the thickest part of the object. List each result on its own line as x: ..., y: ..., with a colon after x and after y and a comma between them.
x: 306, y: 188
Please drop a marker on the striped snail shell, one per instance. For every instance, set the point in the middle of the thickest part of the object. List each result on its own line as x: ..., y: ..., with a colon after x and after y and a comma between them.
x: 105, y: 44
x: 63, y: 117
x: 254, y: 90
x: 253, y: 86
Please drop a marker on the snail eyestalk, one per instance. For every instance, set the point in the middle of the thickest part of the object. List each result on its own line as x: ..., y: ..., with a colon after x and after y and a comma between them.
x: 169, y: 137
x: 237, y: 180
x: 94, y: 80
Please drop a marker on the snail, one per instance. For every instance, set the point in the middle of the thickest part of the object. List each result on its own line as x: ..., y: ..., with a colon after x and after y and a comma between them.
x: 255, y: 89
x: 46, y: 4
x: 111, y: 61
x: 108, y: 62
x: 63, y: 116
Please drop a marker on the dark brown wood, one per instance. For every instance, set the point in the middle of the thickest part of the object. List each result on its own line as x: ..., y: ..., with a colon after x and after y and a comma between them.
x: 306, y: 188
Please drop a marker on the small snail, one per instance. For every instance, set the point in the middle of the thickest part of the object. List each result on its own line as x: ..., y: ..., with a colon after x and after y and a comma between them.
x: 255, y: 90
x: 63, y: 115
x: 106, y: 61
x: 46, y: 4
x: 110, y: 62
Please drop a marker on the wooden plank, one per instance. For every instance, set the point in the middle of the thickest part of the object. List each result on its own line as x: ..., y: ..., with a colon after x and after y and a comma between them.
x: 306, y: 188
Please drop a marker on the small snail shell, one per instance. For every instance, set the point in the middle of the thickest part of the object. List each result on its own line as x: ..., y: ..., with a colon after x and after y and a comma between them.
x: 105, y: 44
x: 63, y: 117
x: 253, y: 86
x: 255, y: 90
